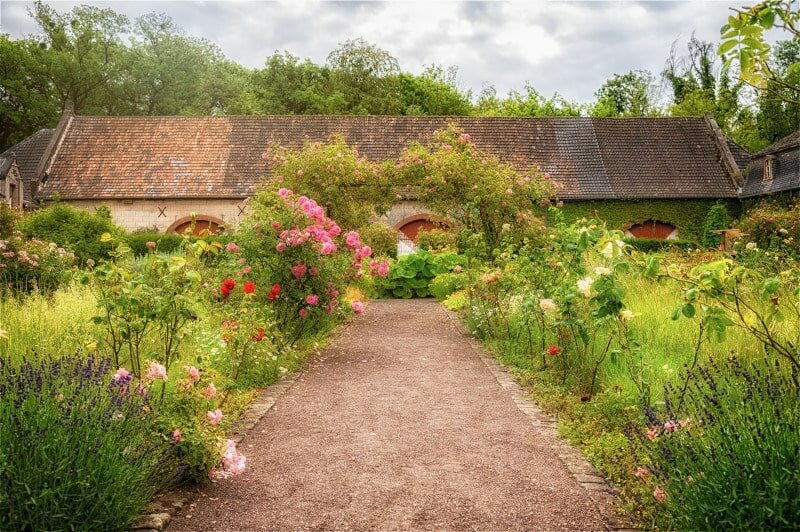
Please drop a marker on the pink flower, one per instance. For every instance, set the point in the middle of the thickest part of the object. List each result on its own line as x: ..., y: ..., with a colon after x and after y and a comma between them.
x: 232, y: 247
x: 122, y: 375
x: 303, y: 312
x: 313, y: 299
x: 659, y: 494
x: 457, y: 268
x: 283, y: 192
x: 194, y: 373
x: 669, y: 426
x: 280, y: 247
x: 156, y: 371
x: 358, y: 307
x: 509, y: 191
x: 328, y: 248
x: 313, y: 272
x: 215, y: 416
x: 383, y: 268
x: 299, y: 270
x: 642, y: 473
x: 246, y: 270
x: 276, y: 225
x: 210, y: 391
x: 176, y: 436
x: 150, y: 244
x: 652, y: 434
x: 352, y: 239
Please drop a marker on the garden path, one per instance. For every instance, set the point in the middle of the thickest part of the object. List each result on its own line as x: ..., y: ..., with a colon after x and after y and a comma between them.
x: 398, y: 425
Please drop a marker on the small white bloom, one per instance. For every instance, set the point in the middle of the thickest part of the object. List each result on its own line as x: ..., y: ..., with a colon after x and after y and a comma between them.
x: 547, y: 305
x: 585, y: 286
x: 602, y: 270
x: 751, y: 245
x: 626, y: 315
x: 283, y: 370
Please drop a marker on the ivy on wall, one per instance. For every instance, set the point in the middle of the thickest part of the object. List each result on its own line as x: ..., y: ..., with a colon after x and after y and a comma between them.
x: 686, y: 215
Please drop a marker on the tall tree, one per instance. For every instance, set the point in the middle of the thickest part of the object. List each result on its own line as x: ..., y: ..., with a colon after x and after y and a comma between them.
x: 629, y: 94
x: 528, y: 103
x: 434, y: 92
x: 287, y: 85
x: 366, y: 77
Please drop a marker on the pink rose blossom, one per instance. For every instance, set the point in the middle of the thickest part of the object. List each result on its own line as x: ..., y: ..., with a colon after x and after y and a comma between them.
x: 283, y: 192
x: 358, y: 307
x: 176, y: 436
x: 313, y: 299
x: 383, y: 269
x: 232, y: 247
x: 194, y: 373
x: 352, y: 239
x: 210, y: 391
x: 669, y: 426
x: 156, y: 371
x: 280, y: 247
x: 215, y: 416
x: 659, y: 494
x: 313, y: 272
x: 328, y: 248
x: 303, y: 312
x: 299, y: 270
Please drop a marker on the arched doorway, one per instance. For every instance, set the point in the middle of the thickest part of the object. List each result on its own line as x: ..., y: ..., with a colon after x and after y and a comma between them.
x: 203, y: 225
x: 410, y: 227
x: 653, y: 229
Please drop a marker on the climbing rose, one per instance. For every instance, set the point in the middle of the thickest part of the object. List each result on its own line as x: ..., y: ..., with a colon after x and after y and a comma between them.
x: 194, y: 373
x: 358, y: 307
x: 215, y: 416
x: 303, y: 312
x: 327, y: 248
x: 280, y: 247
x: 249, y: 287
x: 227, y: 286
x: 299, y: 270
x: 313, y: 299
x: 283, y: 192
x: 352, y: 239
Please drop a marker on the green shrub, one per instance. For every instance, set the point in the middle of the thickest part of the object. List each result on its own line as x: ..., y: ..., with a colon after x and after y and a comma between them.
x: 164, y: 243
x: 718, y: 218
x: 75, y: 229
x: 722, y: 451
x: 30, y: 265
x: 381, y: 238
x: 8, y: 220
x: 412, y: 274
x: 773, y: 226
x: 445, y: 284
x: 79, y: 451
x: 658, y: 244
x: 436, y: 240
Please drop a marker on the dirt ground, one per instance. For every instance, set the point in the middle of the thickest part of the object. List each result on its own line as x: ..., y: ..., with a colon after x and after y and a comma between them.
x: 399, y: 425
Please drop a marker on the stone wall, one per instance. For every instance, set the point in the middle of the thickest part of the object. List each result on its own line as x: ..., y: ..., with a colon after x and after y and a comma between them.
x: 404, y: 211
x: 164, y: 214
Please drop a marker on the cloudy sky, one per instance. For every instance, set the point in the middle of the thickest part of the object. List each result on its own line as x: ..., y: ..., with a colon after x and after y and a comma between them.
x: 569, y: 47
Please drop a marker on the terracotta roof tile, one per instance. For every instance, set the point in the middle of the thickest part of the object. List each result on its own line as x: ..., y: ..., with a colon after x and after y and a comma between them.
x: 144, y: 157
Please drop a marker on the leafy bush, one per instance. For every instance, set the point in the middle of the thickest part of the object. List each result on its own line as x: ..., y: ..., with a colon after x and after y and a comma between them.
x: 445, y: 284
x: 436, y: 240
x: 773, y: 227
x: 75, y: 229
x: 658, y: 244
x: 28, y: 265
x: 79, y: 449
x: 723, y: 450
x: 412, y: 274
x: 8, y: 220
x: 717, y: 218
x: 138, y: 242
x: 381, y: 238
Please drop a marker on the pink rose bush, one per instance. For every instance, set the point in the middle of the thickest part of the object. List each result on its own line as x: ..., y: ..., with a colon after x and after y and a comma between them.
x: 27, y: 265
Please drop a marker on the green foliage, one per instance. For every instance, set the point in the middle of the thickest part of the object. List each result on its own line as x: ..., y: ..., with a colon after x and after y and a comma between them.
x: 8, y: 220
x: 628, y: 94
x: 164, y: 243
x: 531, y: 103
x: 381, y: 238
x: 412, y: 274
x: 78, y: 449
x: 364, y: 74
x: 688, y: 216
x: 718, y: 218
x: 444, y: 284
x: 725, y: 448
x: 436, y: 240
x: 434, y: 93
x: 352, y: 189
x: 75, y: 229
x: 32, y: 265
x: 648, y: 245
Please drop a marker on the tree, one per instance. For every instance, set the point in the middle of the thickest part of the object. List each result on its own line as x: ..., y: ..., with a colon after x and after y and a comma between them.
x: 744, y: 43
x: 529, y: 103
x: 80, y: 52
x: 365, y: 75
x: 779, y: 104
x: 288, y: 86
x: 27, y: 103
x: 629, y: 94
x: 435, y: 92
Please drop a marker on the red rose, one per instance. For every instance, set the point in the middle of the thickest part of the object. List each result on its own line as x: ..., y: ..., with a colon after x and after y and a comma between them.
x: 249, y: 287
x: 276, y: 290
x: 554, y: 350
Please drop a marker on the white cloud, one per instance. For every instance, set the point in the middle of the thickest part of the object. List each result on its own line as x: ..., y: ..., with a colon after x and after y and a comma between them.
x: 569, y: 47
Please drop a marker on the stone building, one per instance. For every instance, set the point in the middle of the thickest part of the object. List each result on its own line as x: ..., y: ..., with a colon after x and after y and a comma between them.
x: 775, y: 169
x: 154, y: 172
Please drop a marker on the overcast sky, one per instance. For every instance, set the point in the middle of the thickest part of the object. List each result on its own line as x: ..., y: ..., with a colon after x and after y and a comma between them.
x: 569, y: 47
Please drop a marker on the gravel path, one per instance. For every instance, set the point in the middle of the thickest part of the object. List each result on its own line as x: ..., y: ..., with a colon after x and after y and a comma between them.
x: 399, y: 425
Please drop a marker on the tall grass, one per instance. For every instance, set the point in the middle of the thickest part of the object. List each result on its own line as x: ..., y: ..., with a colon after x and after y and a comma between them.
x: 45, y: 326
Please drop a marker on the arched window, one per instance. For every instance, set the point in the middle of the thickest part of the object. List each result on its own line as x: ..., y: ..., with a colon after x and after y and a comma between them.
x: 653, y: 229
x: 203, y: 225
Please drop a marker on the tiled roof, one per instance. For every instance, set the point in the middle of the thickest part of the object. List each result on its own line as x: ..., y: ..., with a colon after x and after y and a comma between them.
x: 28, y: 153
x: 589, y: 158
x: 786, y: 143
x: 740, y: 155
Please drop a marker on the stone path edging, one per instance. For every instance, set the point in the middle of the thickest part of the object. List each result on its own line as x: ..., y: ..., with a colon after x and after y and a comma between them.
x: 592, y: 481
x: 160, y: 511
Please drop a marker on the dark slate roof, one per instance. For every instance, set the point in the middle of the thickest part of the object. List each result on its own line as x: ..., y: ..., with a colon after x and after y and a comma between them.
x: 588, y: 158
x: 785, y: 155
x: 28, y: 153
x: 740, y: 155
x: 786, y: 143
